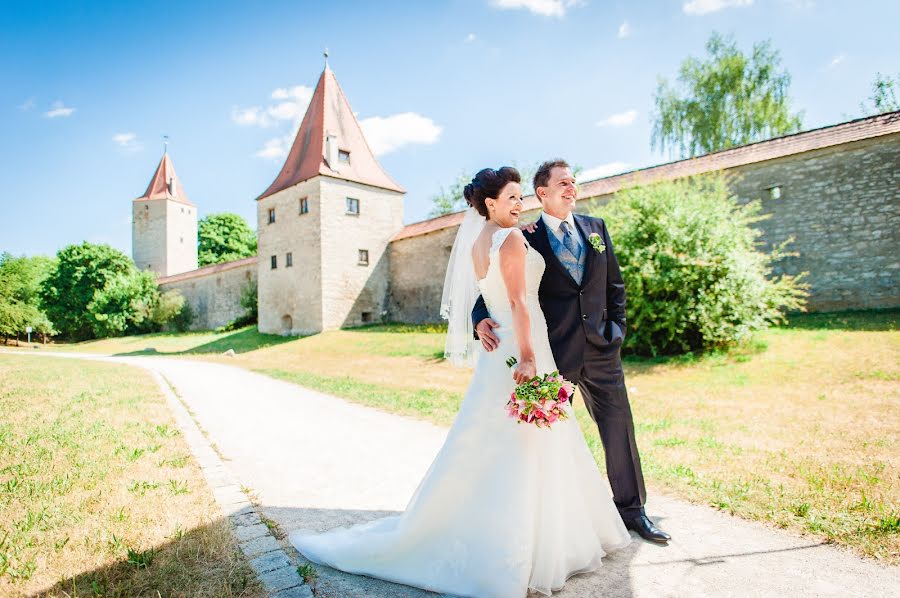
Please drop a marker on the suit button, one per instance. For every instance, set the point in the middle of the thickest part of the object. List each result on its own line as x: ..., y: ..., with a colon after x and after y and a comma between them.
x: 584, y: 317
x: 581, y: 292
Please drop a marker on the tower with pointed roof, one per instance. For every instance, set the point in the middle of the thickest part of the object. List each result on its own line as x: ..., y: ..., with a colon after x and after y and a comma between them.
x: 164, y: 224
x: 324, y: 225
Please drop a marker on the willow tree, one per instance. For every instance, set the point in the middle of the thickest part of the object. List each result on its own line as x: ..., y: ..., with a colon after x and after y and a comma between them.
x: 724, y: 100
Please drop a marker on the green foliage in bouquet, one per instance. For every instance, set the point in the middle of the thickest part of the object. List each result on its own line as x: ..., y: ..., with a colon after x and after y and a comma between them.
x: 696, y: 277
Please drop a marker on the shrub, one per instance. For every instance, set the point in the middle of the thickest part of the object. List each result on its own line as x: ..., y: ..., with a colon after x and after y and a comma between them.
x: 172, y: 311
x: 694, y: 275
x: 95, y: 291
x: 250, y: 302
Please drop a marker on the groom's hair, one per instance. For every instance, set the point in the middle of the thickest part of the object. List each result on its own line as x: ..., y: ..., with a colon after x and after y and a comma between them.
x: 542, y: 176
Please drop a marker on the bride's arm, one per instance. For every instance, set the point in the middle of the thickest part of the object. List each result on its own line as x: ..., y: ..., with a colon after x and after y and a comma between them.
x: 512, y: 267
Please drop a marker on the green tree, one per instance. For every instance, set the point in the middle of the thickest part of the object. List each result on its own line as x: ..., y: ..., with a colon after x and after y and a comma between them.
x: 725, y: 100
x: 96, y: 290
x: 884, y: 95
x: 451, y: 199
x: 20, y: 281
x: 224, y: 238
x: 694, y: 276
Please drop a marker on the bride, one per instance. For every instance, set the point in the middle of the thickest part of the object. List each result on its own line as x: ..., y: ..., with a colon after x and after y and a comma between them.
x: 504, y: 508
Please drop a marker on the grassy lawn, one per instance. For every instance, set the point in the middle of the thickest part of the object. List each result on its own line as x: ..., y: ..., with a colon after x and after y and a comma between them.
x: 99, y: 495
x: 797, y: 429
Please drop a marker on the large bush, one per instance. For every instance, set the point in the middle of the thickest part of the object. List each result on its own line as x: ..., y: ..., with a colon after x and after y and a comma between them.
x: 695, y: 275
x: 96, y: 291
x: 20, y: 281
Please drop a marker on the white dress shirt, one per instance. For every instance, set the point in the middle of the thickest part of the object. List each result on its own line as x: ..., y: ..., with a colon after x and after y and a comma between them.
x: 552, y: 223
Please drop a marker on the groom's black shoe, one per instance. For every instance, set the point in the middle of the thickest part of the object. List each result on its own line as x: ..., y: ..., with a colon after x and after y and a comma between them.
x: 647, y: 529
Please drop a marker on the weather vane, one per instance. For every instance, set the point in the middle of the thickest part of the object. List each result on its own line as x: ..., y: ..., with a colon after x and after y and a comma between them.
x: 325, y: 53
x: 165, y: 144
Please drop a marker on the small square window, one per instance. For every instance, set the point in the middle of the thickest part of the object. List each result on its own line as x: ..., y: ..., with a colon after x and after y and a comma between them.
x: 344, y: 156
x: 366, y: 317
x: 274, y: 261
x: 363, y: 257
x: 288, y: 259
x: 774, y: 192
x: 304, y: 205
x: 353, y: 206
x: 271, y: 215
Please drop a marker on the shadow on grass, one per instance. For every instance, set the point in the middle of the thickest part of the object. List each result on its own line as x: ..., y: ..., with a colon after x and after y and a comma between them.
x: 867, y: 320
x: 204, y: 561
x: 241, y: 341
x: 400, y: 327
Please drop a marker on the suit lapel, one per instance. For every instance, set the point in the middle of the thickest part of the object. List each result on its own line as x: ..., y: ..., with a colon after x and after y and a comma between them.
x: 546, y: 249
x: 584, y: 227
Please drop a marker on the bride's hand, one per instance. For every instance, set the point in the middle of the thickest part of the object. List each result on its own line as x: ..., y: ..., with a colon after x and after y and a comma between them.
x: 525, y: 371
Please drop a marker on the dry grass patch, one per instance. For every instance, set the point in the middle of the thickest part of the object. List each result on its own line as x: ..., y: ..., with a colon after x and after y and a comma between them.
x: 98, y: 492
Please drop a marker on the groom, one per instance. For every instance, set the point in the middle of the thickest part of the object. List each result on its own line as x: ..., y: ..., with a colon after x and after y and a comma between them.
x: 582, y: 296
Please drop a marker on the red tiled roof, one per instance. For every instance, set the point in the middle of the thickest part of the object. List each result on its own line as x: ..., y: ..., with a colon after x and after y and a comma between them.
x: 205, y: 270
x: 847, y: 132
x: 165, y: 184
x: 329, y: 113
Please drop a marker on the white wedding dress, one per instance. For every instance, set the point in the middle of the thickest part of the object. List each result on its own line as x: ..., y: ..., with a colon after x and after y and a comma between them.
x: 505, y: 507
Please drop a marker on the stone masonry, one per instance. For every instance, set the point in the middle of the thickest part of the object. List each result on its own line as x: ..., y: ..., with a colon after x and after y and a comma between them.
x: 214, y: 292
x: 841, y: 204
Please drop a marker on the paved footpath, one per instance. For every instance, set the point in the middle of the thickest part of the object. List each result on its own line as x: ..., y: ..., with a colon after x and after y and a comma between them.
x: 315, y: 461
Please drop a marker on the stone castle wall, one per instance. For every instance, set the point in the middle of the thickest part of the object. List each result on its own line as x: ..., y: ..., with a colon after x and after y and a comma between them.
x: 214, y: 292
x: 418, y: 265
x: 841, y: 204
x: 164, y: 236
x: 290, y: 297
x: 355, y: 293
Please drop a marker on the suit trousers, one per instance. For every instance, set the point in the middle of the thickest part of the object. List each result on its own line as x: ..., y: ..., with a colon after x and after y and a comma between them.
x: 601, y: 381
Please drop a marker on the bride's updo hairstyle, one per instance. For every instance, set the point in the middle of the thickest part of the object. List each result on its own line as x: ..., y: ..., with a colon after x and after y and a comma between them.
x: 489, y: 183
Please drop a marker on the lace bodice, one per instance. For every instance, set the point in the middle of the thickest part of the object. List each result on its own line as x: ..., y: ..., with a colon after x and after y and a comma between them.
x: 493, y: 287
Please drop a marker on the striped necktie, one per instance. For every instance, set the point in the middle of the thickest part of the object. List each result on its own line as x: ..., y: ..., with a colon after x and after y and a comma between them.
x: 569, y: 240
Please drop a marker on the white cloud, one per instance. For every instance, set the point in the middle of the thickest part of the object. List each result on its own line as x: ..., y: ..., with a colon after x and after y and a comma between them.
x: 292, y: 104
x: 837, y: 60
x: 603, y: 170
x: 250, y: 116
x: 620, y: 119
x: 702, y: 7
x: 388, y: 133
x: 59, y: 109
x: 546, y: 8
x: 624, y: 30
x: 277, y: 148
x: 127, y: 141
x: 470, y: 38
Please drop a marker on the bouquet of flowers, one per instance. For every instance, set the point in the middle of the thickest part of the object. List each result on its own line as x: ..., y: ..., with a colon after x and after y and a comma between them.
x: 540, y: 401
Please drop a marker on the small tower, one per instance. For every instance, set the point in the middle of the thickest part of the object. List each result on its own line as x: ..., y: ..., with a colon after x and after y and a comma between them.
x: 164, y: 225
x: 324, y: 225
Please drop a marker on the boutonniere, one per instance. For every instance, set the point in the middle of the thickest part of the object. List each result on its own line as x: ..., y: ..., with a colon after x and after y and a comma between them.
x: 596, y: 242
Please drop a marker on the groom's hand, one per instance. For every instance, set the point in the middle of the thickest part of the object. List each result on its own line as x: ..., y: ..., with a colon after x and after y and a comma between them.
x: 529, y: 228
x: 485, y: 330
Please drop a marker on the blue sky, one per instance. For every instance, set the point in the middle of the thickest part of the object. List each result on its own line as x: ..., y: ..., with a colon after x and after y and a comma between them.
x: 89, y: 89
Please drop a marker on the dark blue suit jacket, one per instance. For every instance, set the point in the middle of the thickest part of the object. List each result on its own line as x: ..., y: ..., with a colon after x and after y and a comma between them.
x: 592, y: 312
